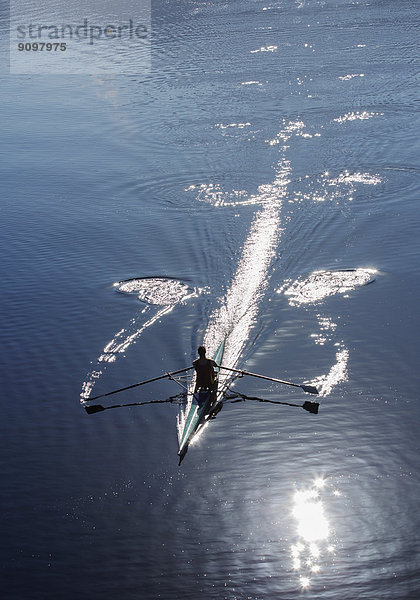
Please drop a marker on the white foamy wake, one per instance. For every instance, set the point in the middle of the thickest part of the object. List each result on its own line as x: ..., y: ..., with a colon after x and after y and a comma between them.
x: 238, y: 311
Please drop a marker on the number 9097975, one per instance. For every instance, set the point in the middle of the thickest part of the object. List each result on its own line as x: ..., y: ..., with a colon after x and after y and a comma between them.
x: 42, y: 46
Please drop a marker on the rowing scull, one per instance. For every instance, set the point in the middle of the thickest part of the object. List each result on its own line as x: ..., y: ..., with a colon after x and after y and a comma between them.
x: 202, y: 406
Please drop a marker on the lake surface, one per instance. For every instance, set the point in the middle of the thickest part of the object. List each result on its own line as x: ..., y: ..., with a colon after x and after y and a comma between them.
x: 261, y: 183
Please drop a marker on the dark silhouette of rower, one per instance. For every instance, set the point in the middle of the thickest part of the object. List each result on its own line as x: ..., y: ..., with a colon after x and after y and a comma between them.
x: 204, y: 367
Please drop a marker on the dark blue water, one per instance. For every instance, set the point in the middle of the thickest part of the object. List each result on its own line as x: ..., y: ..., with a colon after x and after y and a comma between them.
x: 267, y: 166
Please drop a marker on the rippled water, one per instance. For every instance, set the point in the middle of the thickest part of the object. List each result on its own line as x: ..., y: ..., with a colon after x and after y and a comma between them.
x: 261, y: 183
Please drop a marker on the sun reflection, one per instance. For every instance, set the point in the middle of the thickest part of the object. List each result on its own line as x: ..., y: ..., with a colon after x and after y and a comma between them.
x: 313, y: 548
x: 312, y: 523
x: 309, y: 552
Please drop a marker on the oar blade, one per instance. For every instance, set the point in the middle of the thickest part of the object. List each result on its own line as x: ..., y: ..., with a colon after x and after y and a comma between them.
x: 311, y: 407
x: 309, y: 389
x: 94, y: 409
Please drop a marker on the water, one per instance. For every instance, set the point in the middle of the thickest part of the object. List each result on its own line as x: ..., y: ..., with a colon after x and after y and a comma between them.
x: 270, y: 142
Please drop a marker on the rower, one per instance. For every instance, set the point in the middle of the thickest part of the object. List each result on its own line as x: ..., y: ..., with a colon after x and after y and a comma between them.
x: 204, y: 368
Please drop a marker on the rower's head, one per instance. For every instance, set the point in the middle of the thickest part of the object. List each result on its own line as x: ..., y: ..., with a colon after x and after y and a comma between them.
x: 201, y: 351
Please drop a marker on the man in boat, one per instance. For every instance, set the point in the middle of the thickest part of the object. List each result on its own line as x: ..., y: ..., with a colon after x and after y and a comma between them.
x: 204, y: 368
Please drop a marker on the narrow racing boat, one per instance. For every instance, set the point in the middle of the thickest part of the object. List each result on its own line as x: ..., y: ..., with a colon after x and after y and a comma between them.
x: 204, y: 404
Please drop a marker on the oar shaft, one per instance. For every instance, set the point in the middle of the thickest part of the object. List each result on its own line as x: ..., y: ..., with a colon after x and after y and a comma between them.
x: 129, y: 387
x: 91, y: 409
x: 310, y: 389
x: 260, y: 376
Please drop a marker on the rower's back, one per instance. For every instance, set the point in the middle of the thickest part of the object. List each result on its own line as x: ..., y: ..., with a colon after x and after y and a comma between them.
x: 204, y: 368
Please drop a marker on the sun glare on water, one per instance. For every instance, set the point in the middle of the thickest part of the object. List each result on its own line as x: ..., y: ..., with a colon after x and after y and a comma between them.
x: 310, y: 552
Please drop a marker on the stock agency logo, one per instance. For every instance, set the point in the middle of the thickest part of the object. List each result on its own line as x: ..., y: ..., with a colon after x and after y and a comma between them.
x: 67, y: 45
x: 92, y: 33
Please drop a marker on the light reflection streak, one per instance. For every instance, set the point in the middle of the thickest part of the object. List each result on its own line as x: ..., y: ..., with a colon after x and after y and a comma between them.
x: 238, y: 311
x: 265, y: 49
x: 351, y: 178
x: 351, y: 76
x: 238, y: 125
x: 118, y: 346
x: 337, y: 374
x: 309, y: 553
x: 327, y: 327
x: 357, y: 116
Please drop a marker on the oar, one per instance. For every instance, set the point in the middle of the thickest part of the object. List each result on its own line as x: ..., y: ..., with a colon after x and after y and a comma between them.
x: 311, y: 407
x: 99, y: 408
x: 129, y: 387
x: 310, y: 389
